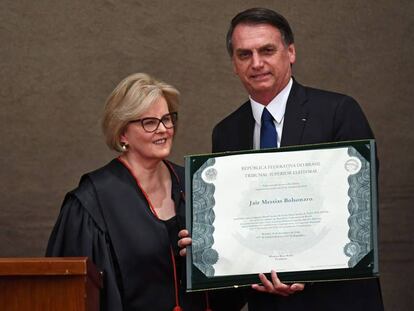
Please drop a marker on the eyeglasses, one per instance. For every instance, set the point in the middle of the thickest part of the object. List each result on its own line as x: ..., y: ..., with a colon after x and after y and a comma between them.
x: 151, y: 124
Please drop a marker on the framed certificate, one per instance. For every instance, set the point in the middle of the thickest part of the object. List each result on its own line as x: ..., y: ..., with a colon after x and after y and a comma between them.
x: 308, y: 212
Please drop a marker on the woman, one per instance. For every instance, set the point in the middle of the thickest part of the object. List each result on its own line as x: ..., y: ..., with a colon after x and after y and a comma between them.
x: 126, y: 215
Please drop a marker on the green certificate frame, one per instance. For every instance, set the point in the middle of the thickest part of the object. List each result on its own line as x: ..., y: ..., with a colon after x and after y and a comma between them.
x: 309, y: 212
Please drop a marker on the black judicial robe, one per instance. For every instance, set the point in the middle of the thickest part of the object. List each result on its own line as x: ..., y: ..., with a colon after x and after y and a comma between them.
x: 108, y: 219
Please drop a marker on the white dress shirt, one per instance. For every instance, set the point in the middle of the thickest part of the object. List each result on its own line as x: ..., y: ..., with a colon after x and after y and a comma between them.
x: 276, y: 108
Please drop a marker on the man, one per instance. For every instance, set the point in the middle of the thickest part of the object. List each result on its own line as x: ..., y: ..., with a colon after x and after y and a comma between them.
x: 261, y: 45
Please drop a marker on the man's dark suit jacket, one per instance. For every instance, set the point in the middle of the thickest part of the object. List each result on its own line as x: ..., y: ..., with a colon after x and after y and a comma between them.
x: 311, y: 116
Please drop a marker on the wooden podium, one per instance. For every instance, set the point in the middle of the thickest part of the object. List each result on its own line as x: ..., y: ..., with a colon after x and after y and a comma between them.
x: 49, y: 284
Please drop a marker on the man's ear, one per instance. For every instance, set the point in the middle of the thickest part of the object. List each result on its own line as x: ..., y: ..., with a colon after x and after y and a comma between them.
x: 234, y: 67
x: 292, y: 53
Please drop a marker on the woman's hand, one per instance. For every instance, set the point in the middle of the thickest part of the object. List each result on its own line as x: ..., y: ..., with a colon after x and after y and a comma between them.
x: 184, y: 241
x: 275, y: 286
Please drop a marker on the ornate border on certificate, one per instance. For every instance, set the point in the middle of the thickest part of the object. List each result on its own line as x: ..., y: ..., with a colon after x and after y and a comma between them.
x: 359, y: 207
x: 344, y: 208
x: 204, y: 256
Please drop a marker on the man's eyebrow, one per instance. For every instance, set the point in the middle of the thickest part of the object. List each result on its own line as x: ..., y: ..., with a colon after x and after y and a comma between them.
x: 263, y: 47
x: 268, y: 46
x: 240, y: 50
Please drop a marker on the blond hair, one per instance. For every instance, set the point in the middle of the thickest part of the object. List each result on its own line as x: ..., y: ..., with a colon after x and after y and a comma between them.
x: 130, y: 99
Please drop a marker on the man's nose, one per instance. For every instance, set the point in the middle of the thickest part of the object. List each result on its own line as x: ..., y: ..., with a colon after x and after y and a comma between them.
x: 257, y: 61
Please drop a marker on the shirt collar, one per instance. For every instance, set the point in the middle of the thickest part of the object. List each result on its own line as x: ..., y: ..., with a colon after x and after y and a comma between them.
x: 276, y: 107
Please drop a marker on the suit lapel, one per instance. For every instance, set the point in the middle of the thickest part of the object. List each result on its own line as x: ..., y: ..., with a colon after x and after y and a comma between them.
x: 296, y: 116
x: 246, y: 128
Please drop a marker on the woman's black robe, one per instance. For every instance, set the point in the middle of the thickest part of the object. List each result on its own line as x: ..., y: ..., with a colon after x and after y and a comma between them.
x: 108, y: 219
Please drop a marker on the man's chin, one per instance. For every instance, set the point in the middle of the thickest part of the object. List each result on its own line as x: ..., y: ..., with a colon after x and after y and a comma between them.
x: 260, y: 89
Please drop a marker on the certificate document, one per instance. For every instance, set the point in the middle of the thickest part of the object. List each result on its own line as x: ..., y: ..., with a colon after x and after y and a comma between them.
x: 306, y: 212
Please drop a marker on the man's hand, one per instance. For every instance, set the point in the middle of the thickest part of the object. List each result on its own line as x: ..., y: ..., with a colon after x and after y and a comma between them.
x: 184, y: 241
x: 275, y: 286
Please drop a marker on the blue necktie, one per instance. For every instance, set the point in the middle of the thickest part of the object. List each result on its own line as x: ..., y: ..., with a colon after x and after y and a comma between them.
x: 268, y: 134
